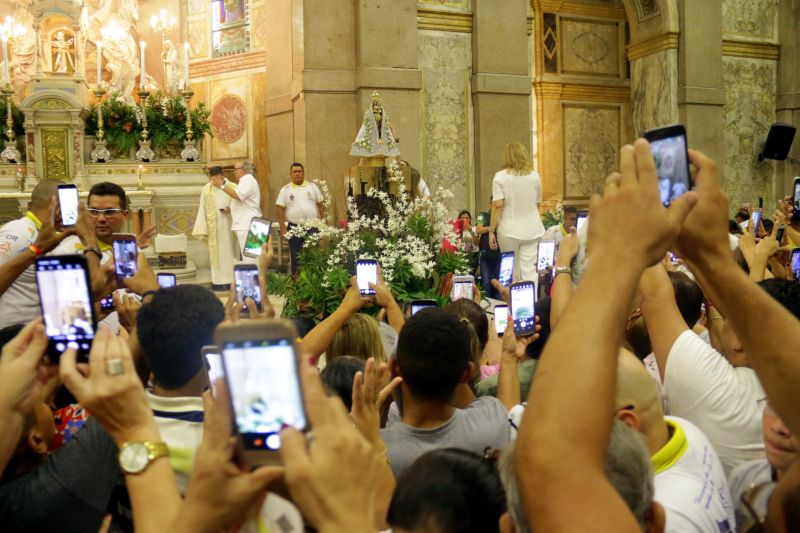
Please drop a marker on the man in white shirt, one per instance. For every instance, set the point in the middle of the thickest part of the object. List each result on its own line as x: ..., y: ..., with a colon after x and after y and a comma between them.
x: 558, y: 232
x: 297, y: 202
x: 245, y: 203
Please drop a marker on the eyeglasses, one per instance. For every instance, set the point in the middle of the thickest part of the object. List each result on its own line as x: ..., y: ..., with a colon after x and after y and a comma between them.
x: 105, y: 212
x: 753, y: 517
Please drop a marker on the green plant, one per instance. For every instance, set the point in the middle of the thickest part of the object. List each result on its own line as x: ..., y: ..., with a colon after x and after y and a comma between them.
x: 121, y: 122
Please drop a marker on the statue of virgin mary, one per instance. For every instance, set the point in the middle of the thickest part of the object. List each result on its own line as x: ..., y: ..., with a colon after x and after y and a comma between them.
x: 376, y: 136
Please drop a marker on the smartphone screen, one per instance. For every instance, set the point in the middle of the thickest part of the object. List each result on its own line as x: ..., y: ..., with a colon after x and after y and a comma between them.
x: 779, y: 235
x: 107, y: 303
x: 462, y: 288
x: 797, y: 197
x: 670, y: 153
x: 523, y: 301
x: 506, y: 268
x: 366, y: 273
x: 547, y: 255
x: 166, y: 280
x: 246, y: 278
x: 795, y: 264
x: 68, y: 204
x: 756, y: 217
x: 580, y: 222
x: 214, y: 369
x: 125, y: 253
x: 265, y: 390
x: 66, y: 301
x: 419, y: 305
x: 257, y: 236
x: 500, y: 318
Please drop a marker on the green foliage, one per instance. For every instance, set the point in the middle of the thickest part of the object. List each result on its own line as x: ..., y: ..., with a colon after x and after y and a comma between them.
x: 550, y: 219
x: 17, y: 118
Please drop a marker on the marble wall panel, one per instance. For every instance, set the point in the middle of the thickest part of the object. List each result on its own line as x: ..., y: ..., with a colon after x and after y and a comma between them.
x: 654, y: 89
x: 445, y: 60
x: 750, y: 18
x: 749, y: 111
x: 172, y: 221
x: 199, y: 36
x: 463, y: 6
x: 224, y: 92
x: 591, y: 145
x: 589, y: 48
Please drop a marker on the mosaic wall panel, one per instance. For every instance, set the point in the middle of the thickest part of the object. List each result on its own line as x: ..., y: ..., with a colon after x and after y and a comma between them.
x: 172, y: 221
x: 654, y: 86
x: 445, y: 60
x: 749, y: 111
x: 463, y: 6
x: 591, y: 144
x: 589, y: 48
x: 750, y: 18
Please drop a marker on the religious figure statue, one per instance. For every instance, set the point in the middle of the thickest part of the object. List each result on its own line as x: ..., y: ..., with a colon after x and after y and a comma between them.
x: 22, y: 64
x: 120, y: 51
x: 376, y: 136
x: 173, y: 70
x: 63, y: 58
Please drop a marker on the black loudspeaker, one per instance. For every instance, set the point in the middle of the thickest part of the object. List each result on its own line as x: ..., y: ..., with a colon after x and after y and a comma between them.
x: 779, y: 141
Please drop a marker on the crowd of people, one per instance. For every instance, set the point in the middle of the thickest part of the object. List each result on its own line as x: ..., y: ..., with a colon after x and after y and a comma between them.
x: 658, y: 391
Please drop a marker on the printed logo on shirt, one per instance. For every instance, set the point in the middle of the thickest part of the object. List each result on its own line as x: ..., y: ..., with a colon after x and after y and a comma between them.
x: 11, y: 237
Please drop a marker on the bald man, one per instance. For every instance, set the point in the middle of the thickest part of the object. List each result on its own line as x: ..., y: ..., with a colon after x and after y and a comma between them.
x: 690, y: 481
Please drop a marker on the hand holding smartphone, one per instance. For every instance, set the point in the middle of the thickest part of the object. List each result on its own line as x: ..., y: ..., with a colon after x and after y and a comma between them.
x: 245, y: 277
x: 581, y: 220
x: 500, y: 319
x: 68, y: 202
x: 419, y: 305
x: 546, y: 255
x: 462, y: 288
x: 125, y: 254
x: 257, y: 236
x: 523, y: 308
x: 366, y: 273
x: 212, y: 359
x: 671, y: 156
x: 506, y: 268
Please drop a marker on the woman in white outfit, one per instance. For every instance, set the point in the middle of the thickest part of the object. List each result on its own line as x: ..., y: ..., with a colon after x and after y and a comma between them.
x: 516, y: 193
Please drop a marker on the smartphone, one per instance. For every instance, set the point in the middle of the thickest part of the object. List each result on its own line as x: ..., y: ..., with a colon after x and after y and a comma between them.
x: 366, y: 273
x: 462, y: 287
x: 66, y: 300
x: 245, y: 276
x: 671, y: 156
x: 125, y: 254
x: 257, y: 236
x: 260, y: 367
x: 761, y: 202
x: 583, y: 218
x: 794, y: 263
x: 756, y: 218
x: 779, y: 234
x: 796, y: 199
x: 547, y: 255
x: 673, y: 258
x: 500, y: 319
x: 212, y: 359
x: 166, y: 280
x: 523, y: 305
x: 419, y: 305
x: 506, y: 268
x: 107, y: 303
x: 68, y: 204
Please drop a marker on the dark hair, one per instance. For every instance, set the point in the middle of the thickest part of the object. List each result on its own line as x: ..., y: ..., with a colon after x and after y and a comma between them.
x: 338, y: 377
x: 106, y: 188
x: 450, y: 491
x: 466, y: 308
x: 638, y: 338
x: 465, y: 212
x: 688, y: 296
x: 215, y: 171
x: 8, y: 333
x: 741, y: 213
x: 535, y: 349
x: 570, y: 209
x: 433, y: 351
x: 786, y: 292
x: 296, y: 164
x: 172, y: 330
x: 768, y: 225
x: 304, y: 324
x: 734, y: 228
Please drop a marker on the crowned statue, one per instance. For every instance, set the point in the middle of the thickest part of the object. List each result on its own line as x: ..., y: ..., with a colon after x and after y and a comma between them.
x: 376, y: 136
x: 61, y: 48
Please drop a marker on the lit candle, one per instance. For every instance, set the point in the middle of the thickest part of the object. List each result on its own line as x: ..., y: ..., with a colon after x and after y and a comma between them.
x: 186, y: 65
x: 5, y: 58
x: 99, y: 60
x: 143, y: 77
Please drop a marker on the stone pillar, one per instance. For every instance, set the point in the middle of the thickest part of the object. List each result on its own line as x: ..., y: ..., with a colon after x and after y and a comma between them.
x: 788, y: 97
x: 501, y: 86
x: 701, y: 93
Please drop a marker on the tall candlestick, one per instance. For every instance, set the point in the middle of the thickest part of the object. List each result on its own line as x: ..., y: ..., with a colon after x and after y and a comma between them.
x: 186, y: 64
x: 5, y: 58
x: 99, y: 61
x: 142, y: 79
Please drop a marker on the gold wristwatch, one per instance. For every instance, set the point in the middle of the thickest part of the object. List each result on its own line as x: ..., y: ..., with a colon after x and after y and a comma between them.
x: 135, y: 456
x: 562, y: 270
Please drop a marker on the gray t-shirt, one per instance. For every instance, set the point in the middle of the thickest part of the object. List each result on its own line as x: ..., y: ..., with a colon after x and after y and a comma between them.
x: 482, y: 424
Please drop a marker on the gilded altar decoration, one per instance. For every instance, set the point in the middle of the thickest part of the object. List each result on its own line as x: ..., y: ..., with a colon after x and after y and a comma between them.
x: 55, y: 154
x: 228, y: 119
x: 62, y: 54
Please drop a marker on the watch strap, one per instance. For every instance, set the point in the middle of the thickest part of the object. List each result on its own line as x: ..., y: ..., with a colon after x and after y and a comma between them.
x: 94, y: 250
x: 562, y: 270
x: 156, y: 449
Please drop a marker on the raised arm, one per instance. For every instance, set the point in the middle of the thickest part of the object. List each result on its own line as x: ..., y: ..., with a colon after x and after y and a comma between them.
x: 562, y: 284
x: 318, y: 339
x: 563, y: 437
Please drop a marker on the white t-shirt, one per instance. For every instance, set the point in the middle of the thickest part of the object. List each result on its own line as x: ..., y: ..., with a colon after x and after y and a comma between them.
x: 554, y: 233
x: 300, y: 201
x: 20, y: 303
x: 692, y: 489
x: 746, y: 475
x: 722, y: 400
x: 521, y: 195
x: 242, y: 211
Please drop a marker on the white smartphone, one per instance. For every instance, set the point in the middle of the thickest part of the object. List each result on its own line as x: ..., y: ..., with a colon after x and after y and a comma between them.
x: 500, y: 319
x: 523, y: 307
x: 366, y: 273
x: 547, y: 255
x: 68, y: 204
x: 261, y: 369
x: 583, y: 218
x: 462, y: 287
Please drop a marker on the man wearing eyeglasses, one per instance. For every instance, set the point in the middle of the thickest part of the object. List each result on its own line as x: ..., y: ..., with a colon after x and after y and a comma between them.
x: 245, y: 203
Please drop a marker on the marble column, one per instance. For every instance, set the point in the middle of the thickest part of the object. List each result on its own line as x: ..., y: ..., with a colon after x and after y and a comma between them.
x: 788, y: 95
x: 701, y: 93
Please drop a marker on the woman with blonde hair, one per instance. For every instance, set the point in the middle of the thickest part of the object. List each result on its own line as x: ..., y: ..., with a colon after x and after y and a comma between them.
x: 359, y: 337
x: 516, y: 193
